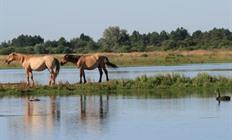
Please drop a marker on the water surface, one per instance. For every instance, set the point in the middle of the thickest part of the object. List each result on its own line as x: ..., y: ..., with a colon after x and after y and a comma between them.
x: 114, y: 118
x: 72, y: 75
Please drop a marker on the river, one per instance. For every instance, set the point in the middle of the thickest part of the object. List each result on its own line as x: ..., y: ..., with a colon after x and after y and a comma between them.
x: 114, y: 118
x: 71, y: 75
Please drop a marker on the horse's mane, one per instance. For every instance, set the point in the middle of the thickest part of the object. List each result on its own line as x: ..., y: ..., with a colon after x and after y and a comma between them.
x: 20, y: 56
x: 73, y: 58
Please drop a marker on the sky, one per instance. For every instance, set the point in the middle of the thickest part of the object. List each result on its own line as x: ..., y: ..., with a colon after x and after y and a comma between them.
x: 53, y: 19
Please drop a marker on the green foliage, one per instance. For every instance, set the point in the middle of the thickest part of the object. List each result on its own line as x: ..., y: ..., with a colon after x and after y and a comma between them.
x: 26, y: 40
x: 7, y: 50
x: 115, y: 39
x: 171, y: 82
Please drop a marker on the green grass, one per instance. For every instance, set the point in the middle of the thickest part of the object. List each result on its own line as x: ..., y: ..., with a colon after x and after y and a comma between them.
x: 175, y: 82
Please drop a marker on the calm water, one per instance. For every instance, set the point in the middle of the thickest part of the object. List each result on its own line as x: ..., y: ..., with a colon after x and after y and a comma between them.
x: 114, y: 118
x: 72, y: 75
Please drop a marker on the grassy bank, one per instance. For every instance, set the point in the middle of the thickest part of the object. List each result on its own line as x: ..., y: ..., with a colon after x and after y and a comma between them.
x: 169, y: 82
x: 157, y: 58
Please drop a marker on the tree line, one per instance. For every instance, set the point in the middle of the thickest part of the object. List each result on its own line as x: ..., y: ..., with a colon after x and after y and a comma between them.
x: 115, y: 39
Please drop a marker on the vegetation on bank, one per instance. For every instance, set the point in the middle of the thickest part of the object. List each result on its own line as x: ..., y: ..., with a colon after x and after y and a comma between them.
x: 154, y: 58
x: 115, y: 39
x: 170, y: 82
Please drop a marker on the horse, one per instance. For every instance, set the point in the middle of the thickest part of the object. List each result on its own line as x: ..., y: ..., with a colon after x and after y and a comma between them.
x: 36, y: 63
x: 89, y: 62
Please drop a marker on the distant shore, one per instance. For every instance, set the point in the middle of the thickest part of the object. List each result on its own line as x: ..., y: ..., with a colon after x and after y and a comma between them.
x: 154, y: 58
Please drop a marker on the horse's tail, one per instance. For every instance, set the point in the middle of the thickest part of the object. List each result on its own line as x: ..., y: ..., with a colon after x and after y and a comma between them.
x: 108, y: 63
x: 57, y: 67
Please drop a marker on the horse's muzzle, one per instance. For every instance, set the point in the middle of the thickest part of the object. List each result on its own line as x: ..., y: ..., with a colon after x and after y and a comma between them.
x: 6, y: 61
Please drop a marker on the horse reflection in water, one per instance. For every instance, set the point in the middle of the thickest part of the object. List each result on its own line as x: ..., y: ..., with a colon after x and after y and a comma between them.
x: 91, y: 111
x: 37, y: 114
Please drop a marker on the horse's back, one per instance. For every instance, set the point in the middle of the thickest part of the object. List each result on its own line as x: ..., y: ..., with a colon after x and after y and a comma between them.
x: 39, y: 63
x: 90, y: 61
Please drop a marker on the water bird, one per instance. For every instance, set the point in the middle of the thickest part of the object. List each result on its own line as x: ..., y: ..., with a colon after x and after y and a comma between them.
x: 34, y: 100
x: 222, y: 98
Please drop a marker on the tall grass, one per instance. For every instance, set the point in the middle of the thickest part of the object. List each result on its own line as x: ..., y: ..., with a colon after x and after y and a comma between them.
x: 156, y: 58
x: 202, y: 81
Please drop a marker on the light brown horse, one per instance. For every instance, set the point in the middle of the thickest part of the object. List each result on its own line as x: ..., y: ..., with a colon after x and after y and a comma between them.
x: 89, y: 62
x: 36, y: 63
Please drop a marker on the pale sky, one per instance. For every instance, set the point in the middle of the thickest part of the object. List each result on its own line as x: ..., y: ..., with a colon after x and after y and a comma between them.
x: 69, y: 18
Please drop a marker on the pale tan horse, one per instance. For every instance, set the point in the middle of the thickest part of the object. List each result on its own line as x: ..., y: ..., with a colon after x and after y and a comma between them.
x: 36, y: 63
x: 89, y: 62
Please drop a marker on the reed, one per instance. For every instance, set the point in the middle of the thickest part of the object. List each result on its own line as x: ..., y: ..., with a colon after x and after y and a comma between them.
x: 172, y: 82
x: 155, y: 58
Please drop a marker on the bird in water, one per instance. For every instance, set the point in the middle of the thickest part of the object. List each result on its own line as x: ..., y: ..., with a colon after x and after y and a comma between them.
x: 34, y: 100
x: 221, y: 98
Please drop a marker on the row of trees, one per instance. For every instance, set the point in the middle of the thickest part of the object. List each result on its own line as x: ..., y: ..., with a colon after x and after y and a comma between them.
x: 115, y: 39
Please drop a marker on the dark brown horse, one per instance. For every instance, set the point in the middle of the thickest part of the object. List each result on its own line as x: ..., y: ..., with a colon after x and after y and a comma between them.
x: 89, y: 62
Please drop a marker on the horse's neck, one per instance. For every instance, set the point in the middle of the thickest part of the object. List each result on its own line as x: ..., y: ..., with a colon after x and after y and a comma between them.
x: 75, y: 59
x: 20, y: 58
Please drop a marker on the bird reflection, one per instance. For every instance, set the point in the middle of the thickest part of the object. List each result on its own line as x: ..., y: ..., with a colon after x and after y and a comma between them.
x: 91, y: 111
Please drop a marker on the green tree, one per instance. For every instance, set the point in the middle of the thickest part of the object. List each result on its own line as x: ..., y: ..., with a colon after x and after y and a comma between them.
x: 179, y: 34
x: 113, y: 38
x: 39, y: 49
x: 136, y: 39
x: 27, y: 40
x: 163, y: 36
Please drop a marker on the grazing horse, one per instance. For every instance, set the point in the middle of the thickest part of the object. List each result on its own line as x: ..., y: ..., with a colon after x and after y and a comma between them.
x: 36, y: 63
x: 89, y: 62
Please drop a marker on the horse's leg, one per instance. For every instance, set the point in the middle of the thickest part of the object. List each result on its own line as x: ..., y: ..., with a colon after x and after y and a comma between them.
x: 100, y: 71
x: 50, y: 80
x: 27, y: 76
x: 106, y: 73
x: 81, y: 73
x: 84, y: 76
x: 31, y: 76
x: 54, y: 77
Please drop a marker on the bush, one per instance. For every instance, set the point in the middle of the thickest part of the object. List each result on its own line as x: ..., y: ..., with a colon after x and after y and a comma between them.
x: 6, y: 51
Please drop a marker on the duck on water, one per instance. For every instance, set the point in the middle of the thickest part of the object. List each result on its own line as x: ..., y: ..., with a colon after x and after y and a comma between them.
x: 222, y: 98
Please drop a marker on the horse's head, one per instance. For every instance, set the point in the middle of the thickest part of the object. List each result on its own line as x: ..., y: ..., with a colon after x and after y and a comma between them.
x: 69, y: 58
x: 11, y: 57
x: 65, y: 59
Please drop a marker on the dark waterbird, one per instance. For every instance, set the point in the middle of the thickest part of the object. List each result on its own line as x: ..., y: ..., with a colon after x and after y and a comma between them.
x: 222, y: 98
x: 34, y: 100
